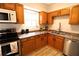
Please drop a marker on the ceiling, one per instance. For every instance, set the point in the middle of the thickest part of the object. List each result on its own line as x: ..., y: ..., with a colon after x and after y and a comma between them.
x: 48, y: 4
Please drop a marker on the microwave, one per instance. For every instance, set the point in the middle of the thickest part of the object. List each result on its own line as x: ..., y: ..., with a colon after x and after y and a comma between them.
x: 7, y: 15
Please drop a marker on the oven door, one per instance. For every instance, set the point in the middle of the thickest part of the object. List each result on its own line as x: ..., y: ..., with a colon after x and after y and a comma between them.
x: 9, y: 48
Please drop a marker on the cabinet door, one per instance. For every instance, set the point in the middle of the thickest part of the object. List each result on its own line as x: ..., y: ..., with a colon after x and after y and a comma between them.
x: 1, y: 5
x: 74, y: 15
x: 27, y: 45
x: 51, y: 40
x: 43, y: 17
x: 50, y: 19
x: 38, y: 42
x: 10, y: 6
x: 56, y: 13
x: 20, y: 13
x: 43, y: 40
x: 65, y: 11
x: 59, y: 42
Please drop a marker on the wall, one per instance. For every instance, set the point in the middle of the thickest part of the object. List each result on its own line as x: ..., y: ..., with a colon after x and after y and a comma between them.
x: 65, y: 26
x: 35, y: 6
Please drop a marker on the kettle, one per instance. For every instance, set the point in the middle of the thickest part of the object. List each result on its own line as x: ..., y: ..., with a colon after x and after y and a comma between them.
x: 27, y: 31
x: 22, y: 31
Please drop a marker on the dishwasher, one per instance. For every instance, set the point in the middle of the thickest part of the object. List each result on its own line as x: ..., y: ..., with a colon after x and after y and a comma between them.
x: 71, y: 47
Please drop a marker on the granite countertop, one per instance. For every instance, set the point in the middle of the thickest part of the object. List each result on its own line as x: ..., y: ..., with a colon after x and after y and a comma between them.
x: 66, y: 35
x: 31, y: 34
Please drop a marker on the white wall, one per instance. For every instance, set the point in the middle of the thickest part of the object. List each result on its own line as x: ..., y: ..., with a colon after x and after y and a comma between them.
x: 36, y: 6
x: 63, y: 19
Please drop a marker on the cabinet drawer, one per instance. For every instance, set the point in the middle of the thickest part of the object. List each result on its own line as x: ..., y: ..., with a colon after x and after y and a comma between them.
x: 28, y: 43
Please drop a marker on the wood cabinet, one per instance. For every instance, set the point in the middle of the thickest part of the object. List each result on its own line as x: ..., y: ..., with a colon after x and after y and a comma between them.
x: 43, y: 18
x: 56, y: 13
x: 50, y: 19
x: 65, y: 11
x: 9, y: 6
x: 51, y: 40
x: 1, y: 5
x: 27, y: 45
x: 37, y: 42
x: 56, y: 41
x: 18, y: 8
x: 43, y: 40
x: 31, y: 44
x: 74, y: 15
x: 20, y: 13
x: 59, y: 43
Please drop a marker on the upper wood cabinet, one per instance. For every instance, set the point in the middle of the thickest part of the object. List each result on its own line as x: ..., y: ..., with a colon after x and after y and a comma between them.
x: 9, y: 6
x: 74, y: 15
x: 50, y: 19
x: 1, y: 5
x: 65, y: 11
x: 20, y: 13
x: 43, y: 18
x: 56, y: 13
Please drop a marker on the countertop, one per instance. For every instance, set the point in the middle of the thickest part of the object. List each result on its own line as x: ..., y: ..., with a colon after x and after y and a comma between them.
x: 31, y: 34
x: 65, y: 35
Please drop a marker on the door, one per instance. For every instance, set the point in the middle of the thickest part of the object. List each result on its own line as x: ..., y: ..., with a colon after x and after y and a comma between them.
x: 38, y: 42
x: 71, y: 48
x: 43, y: 18
x: 20, y: 13
x: 59, y: 43
x: 27, y: 45
x: 74, y: 15
x: 43, y: 40
x: 51, y: 40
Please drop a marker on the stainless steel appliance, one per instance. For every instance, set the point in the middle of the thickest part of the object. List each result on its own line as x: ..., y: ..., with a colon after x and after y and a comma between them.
x: 8, y: 49
x: 7, y: 15
x: 71, y: 47
x: 9, y: 43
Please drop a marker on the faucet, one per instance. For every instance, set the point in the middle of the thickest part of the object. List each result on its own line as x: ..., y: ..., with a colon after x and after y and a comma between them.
x: 59, y: 28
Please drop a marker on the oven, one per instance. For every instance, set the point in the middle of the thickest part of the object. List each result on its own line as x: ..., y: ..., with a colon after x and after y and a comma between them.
x: 9, y: 43
x: 9, y: 49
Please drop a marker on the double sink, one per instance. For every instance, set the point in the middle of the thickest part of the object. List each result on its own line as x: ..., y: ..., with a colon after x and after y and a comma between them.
x: 66, y: 35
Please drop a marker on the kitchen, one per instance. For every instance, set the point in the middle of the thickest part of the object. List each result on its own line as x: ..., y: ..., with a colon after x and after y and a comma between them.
x: 39, y: 29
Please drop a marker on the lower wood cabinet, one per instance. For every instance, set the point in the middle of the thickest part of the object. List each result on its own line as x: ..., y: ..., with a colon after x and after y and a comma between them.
x: 56, y: 41
x: 38, y: 42
x: 59, y: 43
x: 27, y: 45
x: 51, y: 40
x: 31, y: 44
x: 43, y: 40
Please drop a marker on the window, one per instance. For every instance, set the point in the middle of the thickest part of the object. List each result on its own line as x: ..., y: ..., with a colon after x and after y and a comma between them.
x: 31, y: 19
